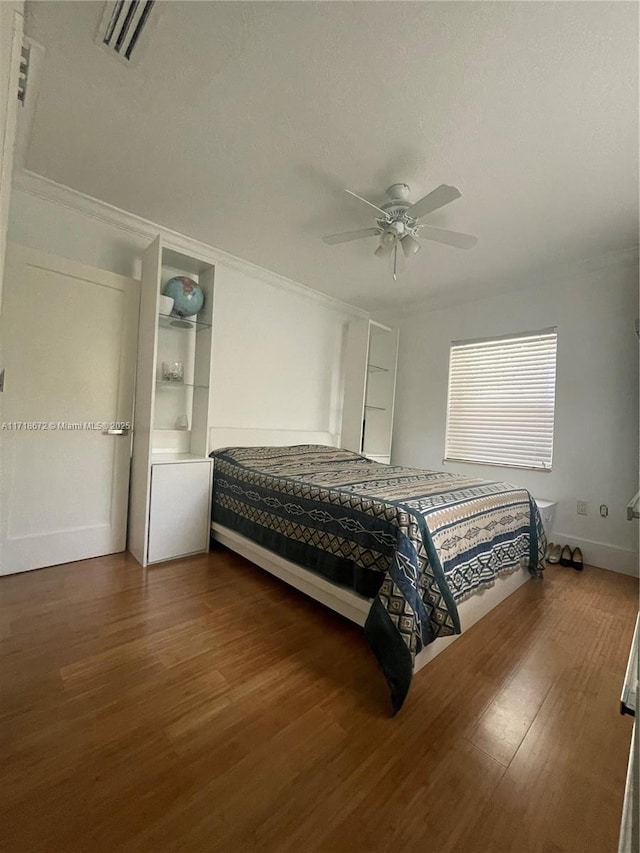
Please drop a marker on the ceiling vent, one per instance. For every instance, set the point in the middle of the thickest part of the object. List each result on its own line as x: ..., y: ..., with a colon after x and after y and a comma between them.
x: 122, y: 25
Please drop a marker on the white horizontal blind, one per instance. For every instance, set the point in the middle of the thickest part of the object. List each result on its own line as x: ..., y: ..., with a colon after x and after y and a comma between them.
x: 502, y: 401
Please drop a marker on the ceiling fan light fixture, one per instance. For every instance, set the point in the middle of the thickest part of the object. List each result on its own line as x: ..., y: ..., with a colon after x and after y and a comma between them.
x: 397, y: 228
x: 398, y: 222
x: 410, y: 245
x: 384, y: 249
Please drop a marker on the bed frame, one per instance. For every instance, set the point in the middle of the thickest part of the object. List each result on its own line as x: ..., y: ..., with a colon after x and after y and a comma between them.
x: 349, y: 604
x: 356, y: 607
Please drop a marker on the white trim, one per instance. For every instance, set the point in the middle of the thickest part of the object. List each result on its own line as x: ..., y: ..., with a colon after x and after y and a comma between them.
x: 51, y: 191
x: 478, y: 291
x: 601, y: 555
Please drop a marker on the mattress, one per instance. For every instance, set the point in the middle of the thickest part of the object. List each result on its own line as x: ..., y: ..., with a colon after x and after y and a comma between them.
x: 416, y: 542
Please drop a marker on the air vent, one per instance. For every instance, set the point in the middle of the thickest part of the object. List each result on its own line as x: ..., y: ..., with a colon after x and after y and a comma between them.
x: 122, y: 25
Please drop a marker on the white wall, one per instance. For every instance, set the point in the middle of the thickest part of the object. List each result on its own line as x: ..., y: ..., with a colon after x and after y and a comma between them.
x: 278, y: 348
x: 61, y: 230
x: 596, y: 426
x: 277, y: 358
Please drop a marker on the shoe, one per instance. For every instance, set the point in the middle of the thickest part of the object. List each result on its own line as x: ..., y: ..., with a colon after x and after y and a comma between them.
x: 549, y: 551
x: 576, y: 560
x: 565, y: 556
x: 554, y: 554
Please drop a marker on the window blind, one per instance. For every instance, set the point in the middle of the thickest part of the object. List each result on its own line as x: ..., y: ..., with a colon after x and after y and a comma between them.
x: 501, y: 402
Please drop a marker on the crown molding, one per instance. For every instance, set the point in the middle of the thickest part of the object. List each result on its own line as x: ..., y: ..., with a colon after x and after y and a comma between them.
x: 64, y: 196
x: 547, y: 276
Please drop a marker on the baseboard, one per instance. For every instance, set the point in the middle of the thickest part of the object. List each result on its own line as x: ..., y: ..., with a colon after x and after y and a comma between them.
x: 603, y: 556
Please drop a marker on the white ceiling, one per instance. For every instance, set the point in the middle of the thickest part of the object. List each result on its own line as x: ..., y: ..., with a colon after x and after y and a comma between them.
x: 242, y: 123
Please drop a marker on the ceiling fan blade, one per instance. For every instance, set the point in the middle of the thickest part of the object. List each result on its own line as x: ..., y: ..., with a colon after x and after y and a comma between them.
x: 438, y: 198
x: 451, y: 238
x: 370, y: 203
x: 332, y: 239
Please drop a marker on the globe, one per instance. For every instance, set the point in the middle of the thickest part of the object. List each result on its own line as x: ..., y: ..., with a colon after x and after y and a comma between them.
x: 187, y: 297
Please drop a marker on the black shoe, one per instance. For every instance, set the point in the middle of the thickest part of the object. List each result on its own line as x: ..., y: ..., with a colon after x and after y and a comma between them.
x: 576, y: 560
x: 565, y: 557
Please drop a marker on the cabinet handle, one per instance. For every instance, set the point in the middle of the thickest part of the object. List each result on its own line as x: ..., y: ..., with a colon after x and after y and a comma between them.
x: 122, y: 431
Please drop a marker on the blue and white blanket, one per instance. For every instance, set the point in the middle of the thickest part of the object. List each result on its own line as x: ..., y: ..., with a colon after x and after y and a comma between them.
x: 413, y: 541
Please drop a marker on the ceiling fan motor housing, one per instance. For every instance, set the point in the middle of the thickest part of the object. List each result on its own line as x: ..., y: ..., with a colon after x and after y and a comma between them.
x: 399, y: 192
x: 396, y: 214
x: 396, y: 208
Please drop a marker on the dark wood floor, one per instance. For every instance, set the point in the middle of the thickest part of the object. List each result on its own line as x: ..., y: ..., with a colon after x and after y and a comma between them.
x: 204, y: 706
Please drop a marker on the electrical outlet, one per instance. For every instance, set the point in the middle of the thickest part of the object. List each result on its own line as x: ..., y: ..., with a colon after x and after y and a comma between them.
x: 583, y: 508
x: 604, y: 510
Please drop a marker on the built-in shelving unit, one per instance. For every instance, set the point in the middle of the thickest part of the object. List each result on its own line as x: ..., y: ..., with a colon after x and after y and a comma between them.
x: 380, y: 388
x: 169, y: 508
x: 371, y: 355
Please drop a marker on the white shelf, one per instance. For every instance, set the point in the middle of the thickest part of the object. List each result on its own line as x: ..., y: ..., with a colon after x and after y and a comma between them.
x: 169, y: 321
x: 165, y: 383
x: 168, y: 458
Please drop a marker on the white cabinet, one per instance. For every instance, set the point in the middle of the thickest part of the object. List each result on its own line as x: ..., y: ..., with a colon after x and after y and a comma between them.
x: 171, y: 418
x: 179, y: 509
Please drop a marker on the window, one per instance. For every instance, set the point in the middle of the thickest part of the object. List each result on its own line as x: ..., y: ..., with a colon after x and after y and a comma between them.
x: 501, y: 402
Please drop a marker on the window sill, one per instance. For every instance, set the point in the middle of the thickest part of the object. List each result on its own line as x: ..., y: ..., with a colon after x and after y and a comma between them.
x: 499, y: 465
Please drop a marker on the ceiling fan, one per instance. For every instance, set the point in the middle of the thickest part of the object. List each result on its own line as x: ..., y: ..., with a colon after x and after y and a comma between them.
x: 398, y: 223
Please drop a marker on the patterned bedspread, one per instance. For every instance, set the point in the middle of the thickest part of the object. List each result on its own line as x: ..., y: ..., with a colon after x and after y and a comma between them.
x: 413, y: 541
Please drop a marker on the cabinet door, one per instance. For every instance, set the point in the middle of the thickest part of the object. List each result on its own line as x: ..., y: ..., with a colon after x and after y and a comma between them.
x: 179, y: 516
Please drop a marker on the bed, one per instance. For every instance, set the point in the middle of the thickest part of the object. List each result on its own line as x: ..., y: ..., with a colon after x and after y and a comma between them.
x: 398, y: 550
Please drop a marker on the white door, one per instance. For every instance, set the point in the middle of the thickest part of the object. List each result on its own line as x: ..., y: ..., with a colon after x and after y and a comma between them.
x: 69, y: 346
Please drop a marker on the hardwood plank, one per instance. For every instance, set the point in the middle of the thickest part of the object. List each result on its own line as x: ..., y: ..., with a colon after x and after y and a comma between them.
x: 204, y: 706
